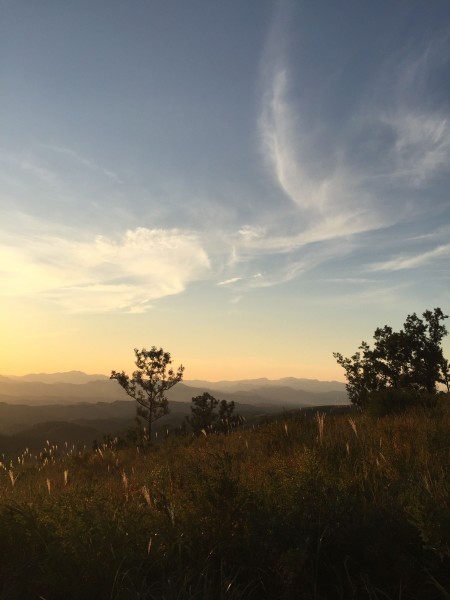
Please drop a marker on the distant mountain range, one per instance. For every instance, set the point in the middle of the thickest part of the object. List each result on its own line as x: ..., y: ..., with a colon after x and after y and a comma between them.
x: 74, y: 387
x: 288, y: 391
x: 78, y: 377
x: 310, y: 385
x: 75, y: 407
x: 75, y: 377
x: 37, y: 392
x: 71, y: 378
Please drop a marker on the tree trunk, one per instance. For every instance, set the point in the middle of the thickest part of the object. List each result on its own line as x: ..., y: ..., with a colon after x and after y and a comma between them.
x: 149, y: 423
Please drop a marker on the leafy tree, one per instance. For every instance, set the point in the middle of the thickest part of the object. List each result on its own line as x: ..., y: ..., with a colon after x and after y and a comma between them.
x: 228, y: 419
x: 205, y: 417
x: 150, y: 382
x: 410, y: 359
x: 446, y: 374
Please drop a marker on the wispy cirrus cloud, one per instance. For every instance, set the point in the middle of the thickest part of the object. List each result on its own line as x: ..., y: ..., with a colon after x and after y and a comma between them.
x: 83, y: 161
x: 343, y: 189
x: 287, y: 147
x: 56, y: 184
x: 328, y: 207
x: 421, y: 146
x: 335, y: 180
x: 122, y: 273
x: 331, y: 195
x: 412, y: 146
x: 28, y: 165
x: 414, y: 261
x: 229, y: 281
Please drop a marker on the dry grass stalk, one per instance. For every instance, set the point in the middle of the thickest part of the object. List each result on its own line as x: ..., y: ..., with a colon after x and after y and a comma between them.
x: 125, y: 483
x: 146, y: 494
x: 320, y: 417
x: 12, y: 478
x: 353, y: 426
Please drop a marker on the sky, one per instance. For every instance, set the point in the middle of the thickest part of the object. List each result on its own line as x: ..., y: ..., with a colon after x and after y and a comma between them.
x: 250, y: 185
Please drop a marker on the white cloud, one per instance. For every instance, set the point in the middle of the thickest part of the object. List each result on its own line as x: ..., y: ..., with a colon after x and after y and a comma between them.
x: 248, y: 232
x: 378, y: 294
x: 332, y: 195
x: 422, y: 145
x: 351, y: 280
x: 329, y: 229
x: 89, y: 164
x: 229, y: 281
x: 104, y: 274
x: 282, y: 144
x: 340, y: 188
x: 419, y: 260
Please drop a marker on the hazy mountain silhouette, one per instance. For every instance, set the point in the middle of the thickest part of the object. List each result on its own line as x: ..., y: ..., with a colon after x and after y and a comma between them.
x: 62, y: 393
x: 250, y: 391
x: 77, y: 408
x: 310, y: 385
x: 75, y: 377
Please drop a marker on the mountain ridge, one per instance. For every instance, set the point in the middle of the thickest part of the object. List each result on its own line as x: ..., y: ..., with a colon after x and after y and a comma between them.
x: 75, y: 377
x: 66, y: 411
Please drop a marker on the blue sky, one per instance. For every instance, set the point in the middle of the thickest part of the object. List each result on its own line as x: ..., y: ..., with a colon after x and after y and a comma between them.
x: 251, y: 185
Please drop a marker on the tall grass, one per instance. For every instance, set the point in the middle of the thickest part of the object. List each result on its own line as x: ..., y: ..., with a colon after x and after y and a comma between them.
x: 308, y: 508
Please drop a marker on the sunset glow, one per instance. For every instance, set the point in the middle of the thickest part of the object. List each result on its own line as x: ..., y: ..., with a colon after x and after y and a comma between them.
x: 249, y: 186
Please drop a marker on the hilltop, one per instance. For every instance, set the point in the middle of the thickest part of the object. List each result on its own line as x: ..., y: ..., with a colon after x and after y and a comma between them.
x: 311, y: 506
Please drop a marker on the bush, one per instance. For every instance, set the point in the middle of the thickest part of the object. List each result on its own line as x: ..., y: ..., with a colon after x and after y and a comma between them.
x: 394, y: 401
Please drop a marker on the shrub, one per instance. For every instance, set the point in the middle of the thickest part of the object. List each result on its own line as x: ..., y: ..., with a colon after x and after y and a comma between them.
x: 394, y: 401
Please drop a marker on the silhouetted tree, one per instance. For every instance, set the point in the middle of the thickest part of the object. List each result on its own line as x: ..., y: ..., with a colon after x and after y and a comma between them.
x: 149, y: 383
x: 205, y: 417
x: 228, y: 419
x: 410, y: 359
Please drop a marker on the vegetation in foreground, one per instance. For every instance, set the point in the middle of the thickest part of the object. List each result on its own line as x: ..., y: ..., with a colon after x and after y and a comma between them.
x: 308, y: 507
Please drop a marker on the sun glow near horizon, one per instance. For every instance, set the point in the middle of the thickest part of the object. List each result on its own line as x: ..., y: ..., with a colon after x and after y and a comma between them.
x: 198, y: 178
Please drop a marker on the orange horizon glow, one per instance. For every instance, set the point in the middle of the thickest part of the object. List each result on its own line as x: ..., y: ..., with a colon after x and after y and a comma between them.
x: 192, y: 371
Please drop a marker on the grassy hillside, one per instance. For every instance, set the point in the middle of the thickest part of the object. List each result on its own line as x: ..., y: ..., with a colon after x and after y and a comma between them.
x: 306, y: 507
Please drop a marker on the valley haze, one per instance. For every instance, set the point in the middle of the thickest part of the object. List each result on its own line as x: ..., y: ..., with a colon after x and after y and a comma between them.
x: 76, y: 408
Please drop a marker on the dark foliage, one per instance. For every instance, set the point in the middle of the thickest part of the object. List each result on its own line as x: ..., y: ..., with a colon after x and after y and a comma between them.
x: 206, y: 418
x: 410, y: 359
x: 149, y: 383
x: 309, y: 507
